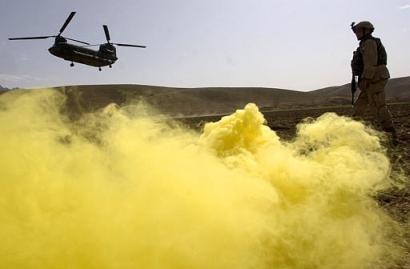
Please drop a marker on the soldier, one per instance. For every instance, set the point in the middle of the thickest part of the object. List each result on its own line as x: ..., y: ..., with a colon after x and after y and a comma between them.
x: 369, y: 64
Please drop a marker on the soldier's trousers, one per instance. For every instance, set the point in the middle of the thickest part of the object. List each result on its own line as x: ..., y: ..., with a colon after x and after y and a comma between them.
x: 374, y: 99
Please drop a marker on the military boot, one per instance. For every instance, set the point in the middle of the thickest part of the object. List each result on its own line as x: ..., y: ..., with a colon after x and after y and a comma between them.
x: 392, y: 135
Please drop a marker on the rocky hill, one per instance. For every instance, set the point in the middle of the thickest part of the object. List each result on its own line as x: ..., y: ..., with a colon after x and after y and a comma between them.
x: 397, y: 90
x: 217, y: 100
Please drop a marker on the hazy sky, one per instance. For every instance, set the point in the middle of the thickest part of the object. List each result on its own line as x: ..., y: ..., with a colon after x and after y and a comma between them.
x: 301, y: 45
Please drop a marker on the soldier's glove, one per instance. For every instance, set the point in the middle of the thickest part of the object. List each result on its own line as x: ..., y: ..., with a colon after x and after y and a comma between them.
x: 364, y: 84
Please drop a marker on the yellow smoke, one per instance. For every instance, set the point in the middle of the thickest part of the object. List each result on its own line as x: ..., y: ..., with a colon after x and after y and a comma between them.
x: 122, y: 189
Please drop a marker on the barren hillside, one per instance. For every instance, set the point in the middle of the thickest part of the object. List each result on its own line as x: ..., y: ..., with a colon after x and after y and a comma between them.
x: 218, y: 100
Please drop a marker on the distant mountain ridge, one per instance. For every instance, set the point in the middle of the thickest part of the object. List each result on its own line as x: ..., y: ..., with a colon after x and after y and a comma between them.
x: 217, y: 100
x: 397, y: 90
x: 181, y: 101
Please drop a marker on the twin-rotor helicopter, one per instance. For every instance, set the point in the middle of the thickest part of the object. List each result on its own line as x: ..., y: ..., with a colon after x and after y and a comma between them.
x: 104, y: 56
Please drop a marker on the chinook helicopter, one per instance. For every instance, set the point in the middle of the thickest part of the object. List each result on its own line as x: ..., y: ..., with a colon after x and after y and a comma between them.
x: 104, y: 56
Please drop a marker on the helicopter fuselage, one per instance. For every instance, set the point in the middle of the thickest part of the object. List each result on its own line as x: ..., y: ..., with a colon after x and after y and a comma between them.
x: 105, y: 56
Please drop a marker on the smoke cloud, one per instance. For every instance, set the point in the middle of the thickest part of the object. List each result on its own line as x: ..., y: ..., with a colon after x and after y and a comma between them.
x: 125, y: 188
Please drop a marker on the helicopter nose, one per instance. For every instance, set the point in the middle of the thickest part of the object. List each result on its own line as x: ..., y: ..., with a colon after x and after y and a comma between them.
x: 53, y: 50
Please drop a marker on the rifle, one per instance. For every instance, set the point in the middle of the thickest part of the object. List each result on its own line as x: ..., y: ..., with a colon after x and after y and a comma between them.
x: 357, y: 70
x: 353, y: 87
x: 357, y: 66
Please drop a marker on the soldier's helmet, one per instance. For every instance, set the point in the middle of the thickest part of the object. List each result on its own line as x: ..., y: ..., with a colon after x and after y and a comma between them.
x: 363, y: 25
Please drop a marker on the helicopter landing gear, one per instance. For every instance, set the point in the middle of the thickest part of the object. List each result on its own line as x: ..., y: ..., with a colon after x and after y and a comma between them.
x: 99, y: 68
x: 72, y: 64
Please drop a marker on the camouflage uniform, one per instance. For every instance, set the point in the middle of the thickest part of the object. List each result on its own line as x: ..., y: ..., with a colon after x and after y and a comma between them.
x: 369, y: 64
x: 373, y: 97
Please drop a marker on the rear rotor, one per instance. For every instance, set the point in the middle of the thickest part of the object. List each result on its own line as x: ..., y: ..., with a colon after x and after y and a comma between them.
x: 108, y: 38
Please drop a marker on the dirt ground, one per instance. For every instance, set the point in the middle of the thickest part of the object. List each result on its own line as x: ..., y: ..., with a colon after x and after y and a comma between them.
x: 396, y: 201
x: 284, y: 124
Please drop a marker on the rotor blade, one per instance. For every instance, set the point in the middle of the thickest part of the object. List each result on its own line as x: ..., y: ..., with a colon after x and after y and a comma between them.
x: 107, y: 33
x: 91, y: 45
x: 67, y: 21
x: 130, y: 45
x: 77, y: 41
x: 31, y: 37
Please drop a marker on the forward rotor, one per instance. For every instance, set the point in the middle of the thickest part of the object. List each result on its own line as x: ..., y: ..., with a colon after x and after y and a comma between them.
x: 67, y: 21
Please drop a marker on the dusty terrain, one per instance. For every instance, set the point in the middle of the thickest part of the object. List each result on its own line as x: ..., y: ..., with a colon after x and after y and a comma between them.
x: 282, y: 109
x: 284, y: 123
x: 397, y: 201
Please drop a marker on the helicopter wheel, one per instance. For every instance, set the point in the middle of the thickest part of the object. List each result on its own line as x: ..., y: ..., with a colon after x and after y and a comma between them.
x: 72, y: 64
x: 110, y: 66
x: 99, y: 68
